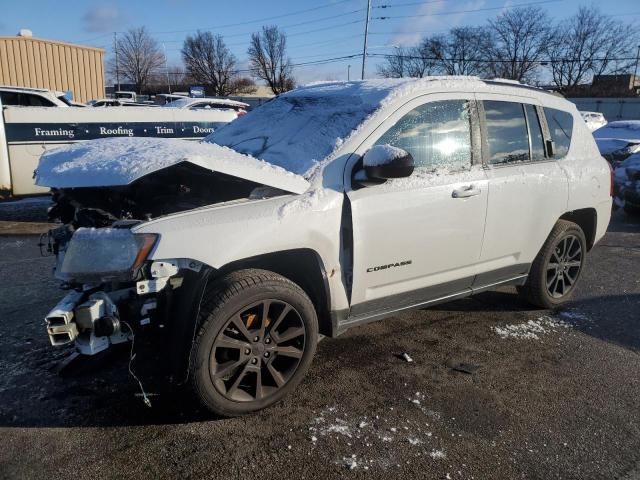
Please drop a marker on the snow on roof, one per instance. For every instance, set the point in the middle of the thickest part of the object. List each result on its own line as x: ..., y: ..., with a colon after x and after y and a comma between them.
x: 185, y: 102
x: 623, y: 130
x: 120, y: 161
x: 306, y: 126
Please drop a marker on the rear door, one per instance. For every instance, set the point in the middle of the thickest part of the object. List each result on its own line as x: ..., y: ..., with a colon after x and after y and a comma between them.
x: 419, y: 238
x: 528, y: 191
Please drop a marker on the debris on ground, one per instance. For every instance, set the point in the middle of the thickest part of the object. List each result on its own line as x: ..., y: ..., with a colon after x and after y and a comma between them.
x: 407, y: 358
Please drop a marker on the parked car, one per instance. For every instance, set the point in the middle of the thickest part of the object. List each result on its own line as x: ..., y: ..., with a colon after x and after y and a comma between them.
x: 33, y: 97
x: 618, y: 140
x: 627, y: 185
x: 594, y: 120
x: 331, y: 206
x: 112, y: 102
x: 208, y: 104
x: 165, y: 98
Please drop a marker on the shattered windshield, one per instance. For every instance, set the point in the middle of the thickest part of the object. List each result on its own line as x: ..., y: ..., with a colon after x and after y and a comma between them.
x: 294, y: 132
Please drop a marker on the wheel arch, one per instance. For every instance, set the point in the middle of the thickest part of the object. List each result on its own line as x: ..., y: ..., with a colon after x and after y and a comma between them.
x: 304, y: 267
x: 587, y: 220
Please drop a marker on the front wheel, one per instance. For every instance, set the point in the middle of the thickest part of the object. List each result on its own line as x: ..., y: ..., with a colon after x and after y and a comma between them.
x: 257, y: 337
x: 557, y: 268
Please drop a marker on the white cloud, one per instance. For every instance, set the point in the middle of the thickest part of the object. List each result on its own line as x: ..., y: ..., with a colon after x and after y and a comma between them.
x: 428, y: 21
x: 104, y: 18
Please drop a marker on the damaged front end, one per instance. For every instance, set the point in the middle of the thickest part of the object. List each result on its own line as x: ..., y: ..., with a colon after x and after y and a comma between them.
x: 115, y: 290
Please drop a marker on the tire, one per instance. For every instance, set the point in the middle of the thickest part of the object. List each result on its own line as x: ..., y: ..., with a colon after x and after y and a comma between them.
x: 240, y: 362
x: 557, y: 268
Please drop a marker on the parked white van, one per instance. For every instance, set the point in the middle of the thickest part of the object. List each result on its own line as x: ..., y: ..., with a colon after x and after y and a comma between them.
x: 333, y: 205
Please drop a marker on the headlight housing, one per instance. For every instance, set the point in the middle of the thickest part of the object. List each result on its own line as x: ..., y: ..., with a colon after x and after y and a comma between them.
x: 105, y: 254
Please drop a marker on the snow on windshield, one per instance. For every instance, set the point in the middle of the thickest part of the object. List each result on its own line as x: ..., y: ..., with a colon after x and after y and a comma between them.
x: 294, y: 132
x: 305, y: 126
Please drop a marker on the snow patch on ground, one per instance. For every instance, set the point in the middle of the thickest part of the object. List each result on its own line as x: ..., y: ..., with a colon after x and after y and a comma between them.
x: 374, y: 433
x: 531, y: 329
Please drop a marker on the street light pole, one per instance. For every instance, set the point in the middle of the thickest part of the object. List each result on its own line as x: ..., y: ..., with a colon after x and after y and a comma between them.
x: 366, y: 34
x: 635, y: 70
x: 115, y: 49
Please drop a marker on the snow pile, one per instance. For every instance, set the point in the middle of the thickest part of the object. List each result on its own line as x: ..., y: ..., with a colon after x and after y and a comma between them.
x: 120, y: 161
x: 382, y: 155
x: 530, y: 330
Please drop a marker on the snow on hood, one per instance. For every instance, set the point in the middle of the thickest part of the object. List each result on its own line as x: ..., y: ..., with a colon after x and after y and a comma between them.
x: 120, y: 161
x: 305, y: 126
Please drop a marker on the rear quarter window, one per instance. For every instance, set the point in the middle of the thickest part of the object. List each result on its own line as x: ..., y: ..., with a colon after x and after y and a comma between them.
x: 561, y: 128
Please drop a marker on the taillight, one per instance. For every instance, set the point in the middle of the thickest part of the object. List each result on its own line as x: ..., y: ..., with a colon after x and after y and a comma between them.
x: 241, y: 113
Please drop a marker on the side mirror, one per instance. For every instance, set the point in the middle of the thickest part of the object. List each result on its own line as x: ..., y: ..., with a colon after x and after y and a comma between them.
x: 385, y: 161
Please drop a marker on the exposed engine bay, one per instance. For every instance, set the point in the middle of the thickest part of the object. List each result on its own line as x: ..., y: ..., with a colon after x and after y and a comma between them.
x: 181, y: 187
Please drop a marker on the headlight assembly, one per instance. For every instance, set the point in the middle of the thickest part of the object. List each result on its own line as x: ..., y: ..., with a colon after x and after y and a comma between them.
x: 105, y: 254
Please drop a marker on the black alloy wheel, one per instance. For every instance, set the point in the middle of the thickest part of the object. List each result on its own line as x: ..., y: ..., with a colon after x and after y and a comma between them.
x: 257, y: 351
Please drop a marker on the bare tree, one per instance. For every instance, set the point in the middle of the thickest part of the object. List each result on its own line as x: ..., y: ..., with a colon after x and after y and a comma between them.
x: 243, y: 85
x: 209, y: 61
x: 519, y: 42
x: 268, y: 59
x: 462, y: 51
x: 394, y: 66
x: 590, y: 43
x: 139, y: 57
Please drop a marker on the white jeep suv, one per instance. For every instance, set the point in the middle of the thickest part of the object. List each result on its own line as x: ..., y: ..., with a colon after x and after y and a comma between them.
x: 331, y: 206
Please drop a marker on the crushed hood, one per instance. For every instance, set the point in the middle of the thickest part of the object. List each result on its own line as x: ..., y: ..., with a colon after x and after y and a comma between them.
x: 120, y: 161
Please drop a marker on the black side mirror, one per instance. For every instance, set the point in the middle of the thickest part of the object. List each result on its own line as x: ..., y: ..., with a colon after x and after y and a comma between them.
x: 385, y: 161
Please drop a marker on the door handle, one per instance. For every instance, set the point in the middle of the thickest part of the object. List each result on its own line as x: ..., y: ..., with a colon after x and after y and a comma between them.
x: 466, y: 192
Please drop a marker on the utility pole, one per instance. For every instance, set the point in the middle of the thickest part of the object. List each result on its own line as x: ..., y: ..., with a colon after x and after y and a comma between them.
x: 635, y: 71
x: 115, y: 49
x: 366, y: 33
x: 166, y: 66
x: 348, y: 73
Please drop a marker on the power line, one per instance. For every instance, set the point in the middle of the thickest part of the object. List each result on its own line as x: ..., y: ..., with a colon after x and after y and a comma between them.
x: 265, y: 19
x: 491, y: 60
x: 469, y: 11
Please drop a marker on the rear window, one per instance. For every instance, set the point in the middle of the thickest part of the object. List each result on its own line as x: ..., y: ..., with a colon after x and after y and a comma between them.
x: 560, y: 127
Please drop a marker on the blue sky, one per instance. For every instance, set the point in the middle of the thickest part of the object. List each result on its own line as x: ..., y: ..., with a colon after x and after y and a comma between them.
x: 317, y: 29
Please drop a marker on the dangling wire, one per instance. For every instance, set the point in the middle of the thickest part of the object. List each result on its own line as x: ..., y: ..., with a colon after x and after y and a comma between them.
x: 132, y: 356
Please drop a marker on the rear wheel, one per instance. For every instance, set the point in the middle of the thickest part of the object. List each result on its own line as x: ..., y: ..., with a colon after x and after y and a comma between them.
x: 257, y: 338
x: 557, y: 268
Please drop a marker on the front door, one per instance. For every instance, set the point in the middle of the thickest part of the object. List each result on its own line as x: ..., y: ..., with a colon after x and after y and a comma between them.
x: 419, y: 238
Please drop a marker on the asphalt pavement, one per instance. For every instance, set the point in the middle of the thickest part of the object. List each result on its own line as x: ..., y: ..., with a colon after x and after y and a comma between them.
x: 496, y: 390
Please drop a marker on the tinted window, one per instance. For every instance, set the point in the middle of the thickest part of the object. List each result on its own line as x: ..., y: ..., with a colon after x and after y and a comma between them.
x: 560, y: 127
x: 435, y: 134
x: 535, y: 131
x: 29, y: 100
x: 10, y: 98
x: 506, y: 132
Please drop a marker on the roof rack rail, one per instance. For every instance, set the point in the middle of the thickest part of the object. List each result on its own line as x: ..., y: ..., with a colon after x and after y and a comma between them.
x: 514, y: 83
